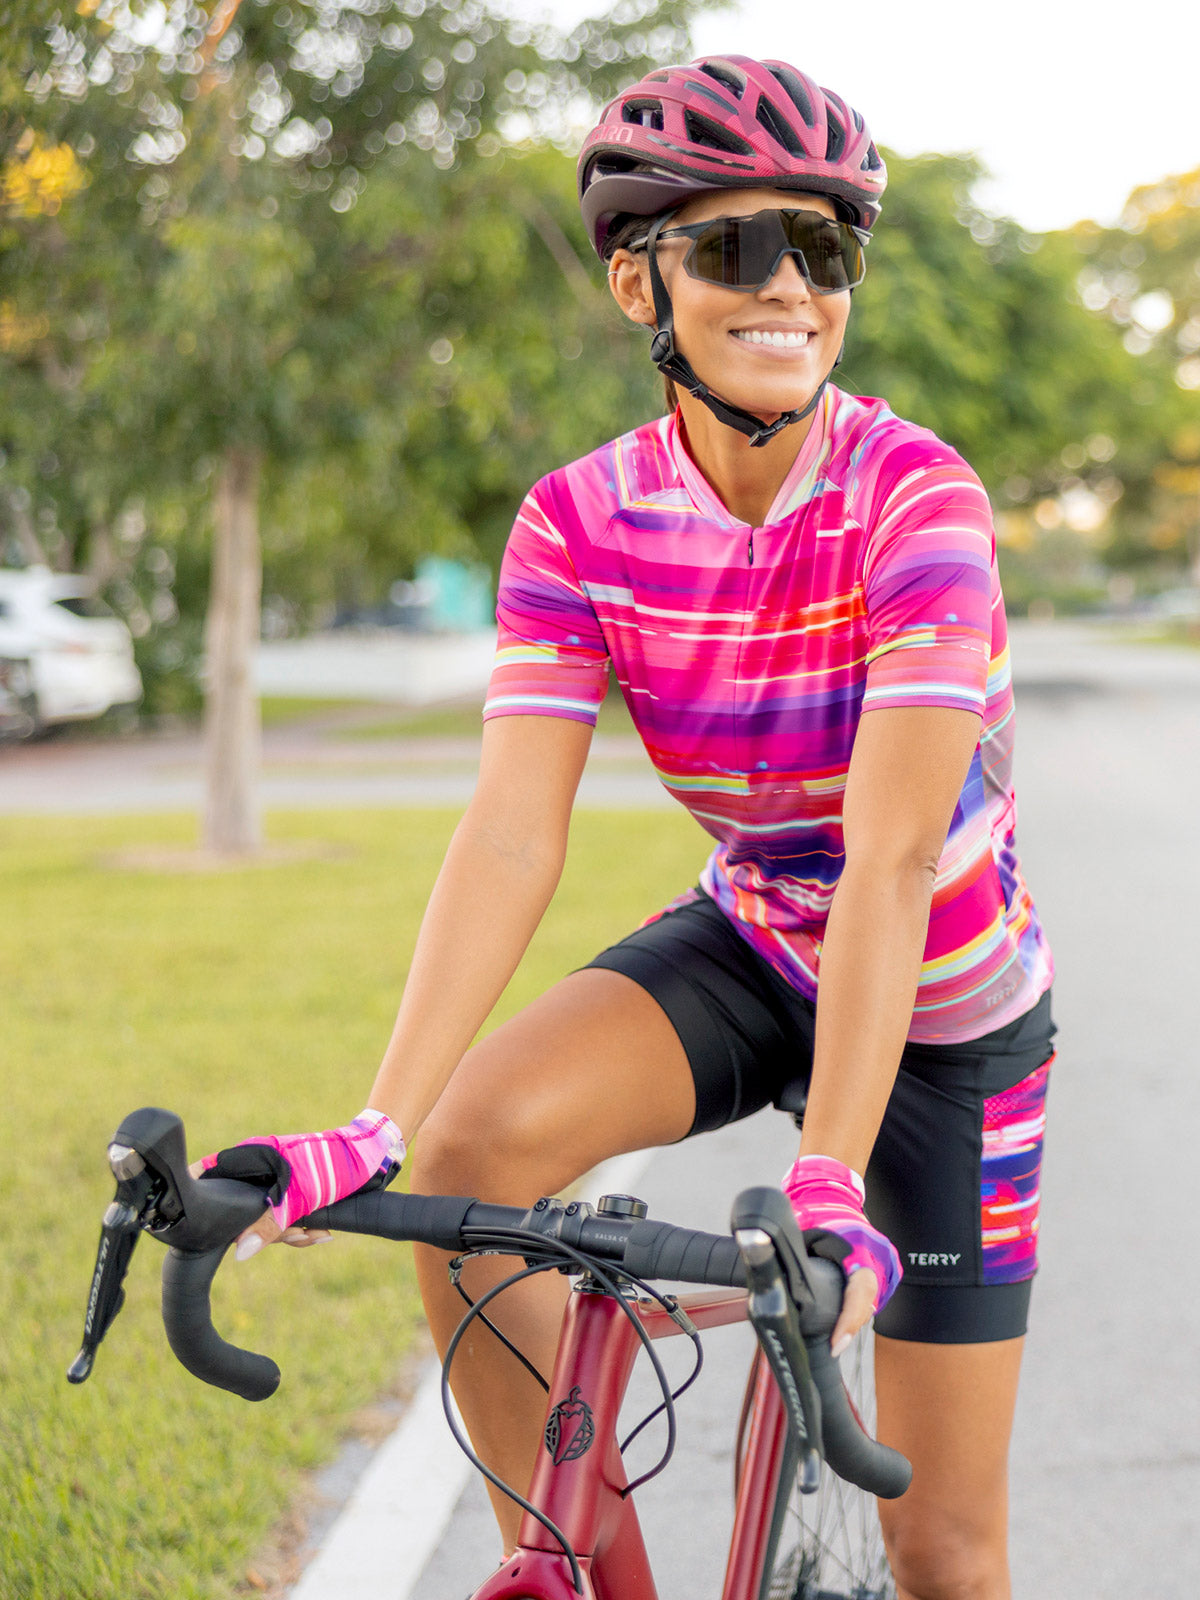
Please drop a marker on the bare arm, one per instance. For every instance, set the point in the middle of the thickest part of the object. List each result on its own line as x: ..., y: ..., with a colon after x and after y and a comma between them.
x: 500, y: 872
x: 906, y: 773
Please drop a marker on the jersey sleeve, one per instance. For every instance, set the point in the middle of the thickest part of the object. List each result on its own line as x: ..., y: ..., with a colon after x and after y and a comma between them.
x: 551, y: 657
x: 930, y: 584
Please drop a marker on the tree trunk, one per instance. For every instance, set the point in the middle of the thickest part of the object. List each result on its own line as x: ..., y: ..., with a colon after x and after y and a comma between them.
x: 232, y: 730
x: 22, y: 526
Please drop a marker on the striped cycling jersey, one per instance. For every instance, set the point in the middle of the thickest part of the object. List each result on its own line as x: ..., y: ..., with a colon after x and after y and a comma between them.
x: 747, y: 655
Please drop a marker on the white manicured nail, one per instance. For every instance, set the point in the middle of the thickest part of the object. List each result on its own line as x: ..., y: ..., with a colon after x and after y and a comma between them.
x: 249, y: 1245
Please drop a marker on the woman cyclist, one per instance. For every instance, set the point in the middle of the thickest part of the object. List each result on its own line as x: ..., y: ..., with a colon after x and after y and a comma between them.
x: 797, y: 593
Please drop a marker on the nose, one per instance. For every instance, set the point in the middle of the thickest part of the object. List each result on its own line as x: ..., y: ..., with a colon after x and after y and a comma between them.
x: 787, y: 282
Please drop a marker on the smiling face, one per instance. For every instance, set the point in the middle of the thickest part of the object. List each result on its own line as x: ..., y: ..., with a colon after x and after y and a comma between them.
x: 766, y: 351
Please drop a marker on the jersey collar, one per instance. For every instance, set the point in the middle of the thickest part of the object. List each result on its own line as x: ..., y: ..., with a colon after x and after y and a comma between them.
x: 795, y: 489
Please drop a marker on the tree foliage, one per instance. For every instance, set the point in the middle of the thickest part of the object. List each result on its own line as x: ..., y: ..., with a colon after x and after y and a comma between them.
x: 299, y: 230
x: 1143, y: 279
x: 342, y: 236
x: 967, y: 324
x: 1027, y: 353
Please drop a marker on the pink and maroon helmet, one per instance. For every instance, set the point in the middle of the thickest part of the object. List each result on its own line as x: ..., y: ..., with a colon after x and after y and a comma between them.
x: 725, y: 122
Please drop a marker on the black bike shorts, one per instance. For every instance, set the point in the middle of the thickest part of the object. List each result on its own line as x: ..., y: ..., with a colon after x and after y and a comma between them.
x: 954, y: 1176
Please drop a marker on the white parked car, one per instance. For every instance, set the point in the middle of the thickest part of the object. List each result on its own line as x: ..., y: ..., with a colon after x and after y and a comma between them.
x: 72, y: 657
x: 1177, y: 605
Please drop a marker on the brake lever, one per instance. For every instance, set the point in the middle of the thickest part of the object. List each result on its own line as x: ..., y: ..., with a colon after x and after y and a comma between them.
x: 156, y: 1194
x: 772, y: 1278
x: 119, y: 1232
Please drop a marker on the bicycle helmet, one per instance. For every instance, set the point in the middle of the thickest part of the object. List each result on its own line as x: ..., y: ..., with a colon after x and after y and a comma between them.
x: 722, y: 122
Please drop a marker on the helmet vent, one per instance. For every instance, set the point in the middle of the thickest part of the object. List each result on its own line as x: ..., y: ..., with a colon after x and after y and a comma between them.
x: 835, y: 141
x: 796, y: 93
x: 644, y: 114
x: 778, y: 128
x: 872, y: 161
x: 726, y: 75
x: 702, y: 131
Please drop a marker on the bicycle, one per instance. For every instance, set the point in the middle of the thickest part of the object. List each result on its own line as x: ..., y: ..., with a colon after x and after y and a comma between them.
x: 579, y: 1535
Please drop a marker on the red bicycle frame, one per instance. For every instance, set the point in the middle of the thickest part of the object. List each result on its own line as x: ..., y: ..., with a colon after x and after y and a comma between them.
x: 579, y: 1481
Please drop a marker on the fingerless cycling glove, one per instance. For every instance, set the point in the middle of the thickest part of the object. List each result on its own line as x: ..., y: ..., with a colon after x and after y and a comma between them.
x: 302, y: 1171
x: 827, y: 1198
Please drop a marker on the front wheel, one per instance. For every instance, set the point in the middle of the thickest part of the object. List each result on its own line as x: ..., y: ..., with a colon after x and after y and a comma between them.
x: 828, y: 1545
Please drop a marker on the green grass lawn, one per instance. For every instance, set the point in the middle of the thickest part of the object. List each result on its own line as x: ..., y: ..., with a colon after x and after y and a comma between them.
x: 466, y: 722
x: 279, y: 711
x: 252, y: 1000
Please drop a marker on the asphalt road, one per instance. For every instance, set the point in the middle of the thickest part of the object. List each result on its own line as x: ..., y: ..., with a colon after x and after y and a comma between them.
x: 1106, y: 1462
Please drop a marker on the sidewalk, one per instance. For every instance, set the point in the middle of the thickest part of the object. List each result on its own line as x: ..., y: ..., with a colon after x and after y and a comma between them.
x: 320, y: 762
x: 329, y: 758
x: 386, y: 665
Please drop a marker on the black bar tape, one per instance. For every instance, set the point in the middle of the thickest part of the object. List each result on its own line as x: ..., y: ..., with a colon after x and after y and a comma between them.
x: 658, y: 1250
x: 187, y: 1317
x: 850, y: 1451
x: 436, y: 1219
x: 852, y: 1454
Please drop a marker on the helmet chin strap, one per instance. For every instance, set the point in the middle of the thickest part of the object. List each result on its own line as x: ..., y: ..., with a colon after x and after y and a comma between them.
x: 673, y: 365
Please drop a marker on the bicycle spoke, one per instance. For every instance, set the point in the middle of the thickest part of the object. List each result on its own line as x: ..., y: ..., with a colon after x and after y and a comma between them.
x: 830, y: 1546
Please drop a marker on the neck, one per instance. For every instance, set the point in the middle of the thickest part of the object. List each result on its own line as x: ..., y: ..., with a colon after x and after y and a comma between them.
x: 747, y: 478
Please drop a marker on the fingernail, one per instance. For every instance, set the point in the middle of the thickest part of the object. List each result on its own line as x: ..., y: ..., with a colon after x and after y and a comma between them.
x: 842, y: 1345
x: 326, y: 1238
x: 248, y: 1245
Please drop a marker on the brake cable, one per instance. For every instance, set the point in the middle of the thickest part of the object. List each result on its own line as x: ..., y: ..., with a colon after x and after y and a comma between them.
x: 548, y: 1254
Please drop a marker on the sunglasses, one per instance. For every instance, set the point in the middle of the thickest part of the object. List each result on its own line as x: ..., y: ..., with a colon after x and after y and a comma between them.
x: 744, y: 253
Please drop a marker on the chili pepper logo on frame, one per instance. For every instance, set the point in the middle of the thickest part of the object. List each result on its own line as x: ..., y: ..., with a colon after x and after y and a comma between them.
x: 570, y: 1429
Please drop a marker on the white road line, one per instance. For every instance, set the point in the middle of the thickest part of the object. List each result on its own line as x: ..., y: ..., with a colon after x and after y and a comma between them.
x: 397, y: 1514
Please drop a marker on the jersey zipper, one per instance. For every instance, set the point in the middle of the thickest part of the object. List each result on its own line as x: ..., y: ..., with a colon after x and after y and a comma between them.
x: 738, y: 753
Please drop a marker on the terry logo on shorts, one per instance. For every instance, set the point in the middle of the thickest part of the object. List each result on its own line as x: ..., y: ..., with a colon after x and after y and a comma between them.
x: 934, y: 1258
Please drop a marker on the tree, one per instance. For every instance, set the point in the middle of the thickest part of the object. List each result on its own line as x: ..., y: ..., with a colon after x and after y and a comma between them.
x: 1143, y: 279
x: 234, y: 312
x: 990, y: 336
x: 972, y: 326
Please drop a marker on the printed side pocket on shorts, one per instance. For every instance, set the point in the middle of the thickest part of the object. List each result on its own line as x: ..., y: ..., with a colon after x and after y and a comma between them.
x: 1014, y: 1124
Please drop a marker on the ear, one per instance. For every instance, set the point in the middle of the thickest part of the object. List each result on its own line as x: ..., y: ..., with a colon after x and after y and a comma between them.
x: 629, y: 284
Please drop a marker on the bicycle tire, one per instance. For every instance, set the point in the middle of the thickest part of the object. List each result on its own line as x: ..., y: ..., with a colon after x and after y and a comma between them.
x: 828, y: 1545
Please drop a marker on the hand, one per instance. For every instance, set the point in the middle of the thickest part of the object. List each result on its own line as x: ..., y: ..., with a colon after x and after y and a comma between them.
x: 827, y: 1198
x: 303, y: 1171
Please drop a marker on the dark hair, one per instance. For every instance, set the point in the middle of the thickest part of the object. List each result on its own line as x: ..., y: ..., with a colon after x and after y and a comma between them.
x: 624, y: 232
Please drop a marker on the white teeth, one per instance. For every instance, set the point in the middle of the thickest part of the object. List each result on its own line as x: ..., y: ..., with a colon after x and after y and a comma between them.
x: 781, y: 341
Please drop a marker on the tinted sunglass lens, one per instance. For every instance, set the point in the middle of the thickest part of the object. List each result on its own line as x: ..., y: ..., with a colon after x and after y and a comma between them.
x: 832, y: 254
x: 744, y: 252
x: 738, y: 252
x: 718, y: 254
x: 823, y: 254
